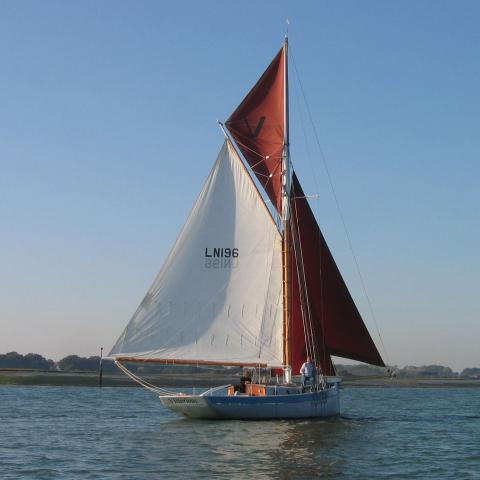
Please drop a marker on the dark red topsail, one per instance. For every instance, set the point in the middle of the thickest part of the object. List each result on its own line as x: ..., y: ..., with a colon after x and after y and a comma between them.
x: 258, y: 126
x: 334, y: 325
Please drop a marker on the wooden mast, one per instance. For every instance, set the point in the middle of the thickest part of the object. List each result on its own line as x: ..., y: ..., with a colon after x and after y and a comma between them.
x: 286, y: 174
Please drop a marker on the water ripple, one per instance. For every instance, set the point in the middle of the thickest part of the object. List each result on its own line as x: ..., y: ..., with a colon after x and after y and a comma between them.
x: 124, y: 433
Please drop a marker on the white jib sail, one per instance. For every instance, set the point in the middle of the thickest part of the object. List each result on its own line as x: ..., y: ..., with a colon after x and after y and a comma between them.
x: 218, y: 297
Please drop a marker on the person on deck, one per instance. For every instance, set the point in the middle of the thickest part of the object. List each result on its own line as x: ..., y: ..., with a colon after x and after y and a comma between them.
x: 244, y: 379
x: 307, y: 371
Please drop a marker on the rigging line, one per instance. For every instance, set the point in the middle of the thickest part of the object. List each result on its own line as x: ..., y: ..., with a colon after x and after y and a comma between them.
x: 325, y: 354
x: 267, y: 176
x: 248, y: 148
x: 263, y: 159
x: 255, y: 181
x: 306, y: 318
x: 302, y: 290
x: 302, y: 308
x: 266, y: 158
x: 310, y: 319
x: 144, y: 383
x: 271, y: 175
x: 305, y: 139
x: 337, y: 203
x: 261, y: 175
x: 308, y: 327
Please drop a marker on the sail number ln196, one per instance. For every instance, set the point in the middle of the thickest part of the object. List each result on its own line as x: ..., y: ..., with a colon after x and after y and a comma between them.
x: 221, y: 257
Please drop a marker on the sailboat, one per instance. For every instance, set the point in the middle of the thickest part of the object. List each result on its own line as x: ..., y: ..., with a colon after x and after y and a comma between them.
x: 250, y: 282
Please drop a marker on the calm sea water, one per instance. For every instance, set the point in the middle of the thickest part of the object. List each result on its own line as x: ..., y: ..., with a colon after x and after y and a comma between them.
x: 124, y: 433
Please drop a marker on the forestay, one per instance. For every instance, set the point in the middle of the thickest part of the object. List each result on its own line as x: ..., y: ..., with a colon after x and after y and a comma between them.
x: 218, y: 297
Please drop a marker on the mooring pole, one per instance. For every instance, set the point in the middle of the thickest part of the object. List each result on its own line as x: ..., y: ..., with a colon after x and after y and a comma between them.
x: 100, y: 371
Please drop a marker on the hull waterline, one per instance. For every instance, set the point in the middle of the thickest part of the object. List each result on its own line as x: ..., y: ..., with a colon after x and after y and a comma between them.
x: 320, y: 404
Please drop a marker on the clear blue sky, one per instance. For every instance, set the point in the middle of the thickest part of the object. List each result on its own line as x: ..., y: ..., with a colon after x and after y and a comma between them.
x: 108, y: 129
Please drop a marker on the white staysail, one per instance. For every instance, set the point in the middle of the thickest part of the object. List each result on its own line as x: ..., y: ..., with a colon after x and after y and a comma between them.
x: 218, y: 297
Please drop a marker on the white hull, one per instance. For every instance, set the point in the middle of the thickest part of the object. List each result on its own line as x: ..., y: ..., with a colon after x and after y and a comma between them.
x: 215, y: 404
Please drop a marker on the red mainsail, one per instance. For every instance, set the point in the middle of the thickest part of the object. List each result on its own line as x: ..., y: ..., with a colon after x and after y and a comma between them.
x: 334, y: 325
x: 324, y: 318
x: 258, y: 126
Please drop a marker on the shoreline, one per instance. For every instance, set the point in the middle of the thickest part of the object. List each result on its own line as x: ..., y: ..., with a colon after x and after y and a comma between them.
x: 11, y: 377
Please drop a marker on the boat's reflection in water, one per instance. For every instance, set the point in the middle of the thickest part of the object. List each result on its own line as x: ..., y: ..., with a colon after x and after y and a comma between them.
x: 268, y: 449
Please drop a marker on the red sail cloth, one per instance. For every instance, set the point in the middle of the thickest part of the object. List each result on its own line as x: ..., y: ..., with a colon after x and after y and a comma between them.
x: 258, y: 126
x: 297, y: 331
x: 332, y: 308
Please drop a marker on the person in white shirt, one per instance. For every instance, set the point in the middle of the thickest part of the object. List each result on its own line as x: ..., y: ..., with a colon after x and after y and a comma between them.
x: 307, y: 371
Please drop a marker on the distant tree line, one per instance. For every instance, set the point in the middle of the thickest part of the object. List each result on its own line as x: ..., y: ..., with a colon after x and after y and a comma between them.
x: 73, y: 363
x: 471, y: 372
x: 85, y: 364
x: 31, y: 360
x: 38, y: 362
x: 427, y: 371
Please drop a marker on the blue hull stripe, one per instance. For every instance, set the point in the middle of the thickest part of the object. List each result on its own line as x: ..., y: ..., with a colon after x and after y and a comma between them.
x: 269, y: 399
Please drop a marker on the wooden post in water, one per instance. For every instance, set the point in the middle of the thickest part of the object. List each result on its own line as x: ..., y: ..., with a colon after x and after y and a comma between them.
x: 100, y: 370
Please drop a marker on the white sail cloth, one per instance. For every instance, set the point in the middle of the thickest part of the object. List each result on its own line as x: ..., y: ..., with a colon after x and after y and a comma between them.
x: 218, y: 297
